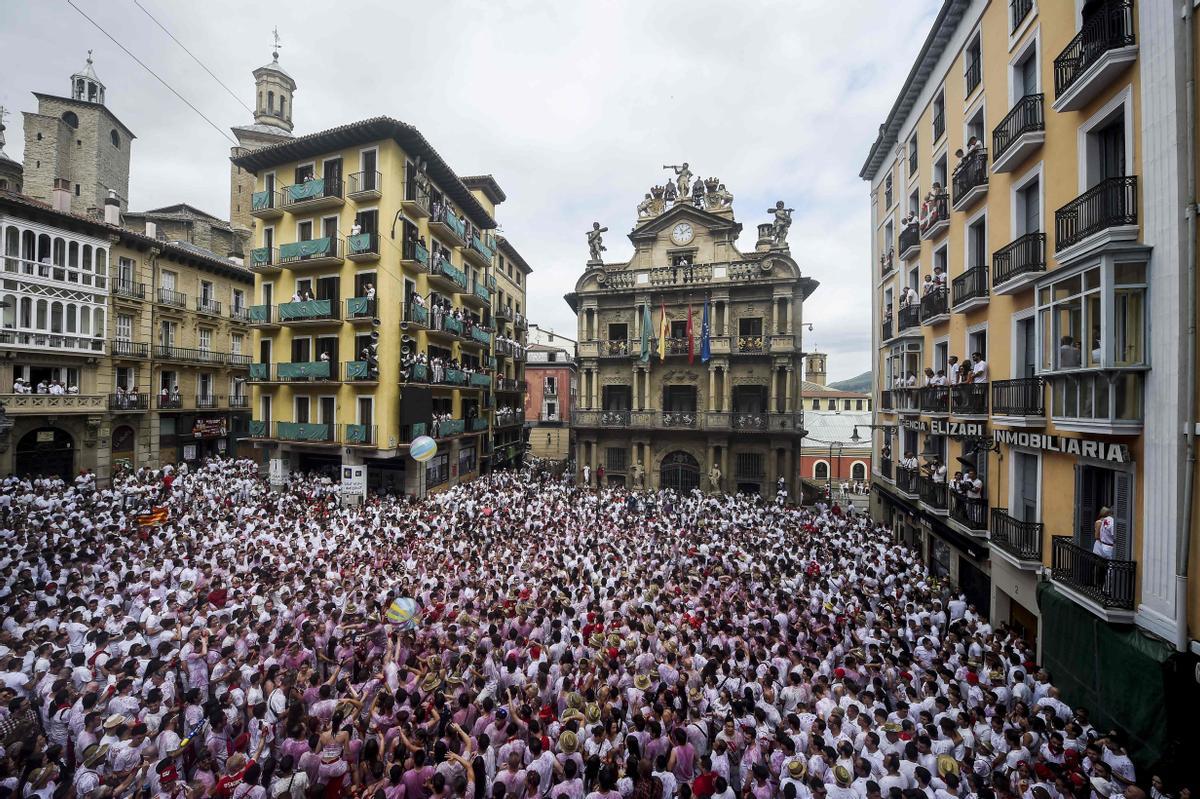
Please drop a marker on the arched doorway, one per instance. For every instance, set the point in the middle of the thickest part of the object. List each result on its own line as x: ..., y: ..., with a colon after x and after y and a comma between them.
x: 46, y: 451
x: 123, y: 439
x: 679, y: 472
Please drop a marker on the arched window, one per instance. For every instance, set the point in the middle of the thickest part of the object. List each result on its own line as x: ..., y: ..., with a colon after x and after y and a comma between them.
x: 79, y: 89
x: 70, y: 118
x: 858, y: 471
x: 60, y: 252
x: 26, y: 313
x: 73, y: 255
x: 10, y: 311
x: 85, y: 322
x: 56, y: 317
x: 271, y: 102
x: 282, y: 106
x: 116, y: 138
x: 101, y: 261
x: 42, y: 321
x: 45, y: 248
x: 98, y: 327
x: 28, y: 248
x: 12, y: 248
x: 87, y: 257
x: 72, y: 309
x: 820, y: 470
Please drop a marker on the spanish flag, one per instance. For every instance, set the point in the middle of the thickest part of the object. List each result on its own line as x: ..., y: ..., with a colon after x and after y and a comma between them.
x: 154, y: 518
x: 664, y: 330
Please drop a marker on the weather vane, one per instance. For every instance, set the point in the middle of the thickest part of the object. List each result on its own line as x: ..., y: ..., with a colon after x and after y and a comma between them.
x: 275, y: 53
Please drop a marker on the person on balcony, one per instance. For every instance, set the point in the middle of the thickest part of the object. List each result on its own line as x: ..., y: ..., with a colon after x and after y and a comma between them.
x: 1105, y: 533
x: 979, y: 368
x: 973, y: 485
x: 908, y: 297
x: 1069, y: 353
x: 928, y: 286
x: 911, y: 381
x: 909, y: 461
x: 936, y: 469
x: 370, y: 291
x: 952, y: 369
x: 930, y: 377
x: 20, y: 386
x: 939, y: 379
x: 939, y: 277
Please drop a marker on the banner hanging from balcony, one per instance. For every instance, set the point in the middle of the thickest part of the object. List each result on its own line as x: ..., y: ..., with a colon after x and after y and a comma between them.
x: 210, y: 428
x: 360, y: 243
x: 646, y: 324
x: 306, y: 190
x: 305, y: 249
x: 358, y: 306
x: 705, y: 332
x: 260, y: 256
x: 307, y: 309
x: 664, y: 330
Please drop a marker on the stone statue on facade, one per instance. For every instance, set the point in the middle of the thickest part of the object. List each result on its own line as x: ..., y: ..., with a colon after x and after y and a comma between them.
x: 714, y: 478
x: 781, y: 223
x: 595, y: 240
x: 683, y: 178
x: 716, y: 198
x: 645, y: 206
x: 637, y: 475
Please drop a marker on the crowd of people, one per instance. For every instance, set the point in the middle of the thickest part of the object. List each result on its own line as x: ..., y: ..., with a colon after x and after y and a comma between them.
x: 44, y: 386
x: 570, y: 643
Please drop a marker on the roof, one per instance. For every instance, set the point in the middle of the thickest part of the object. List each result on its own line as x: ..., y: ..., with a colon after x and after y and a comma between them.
x: 363, y: 132
x: 947, y: 20
x: 488, y: 185
x: 266, y: 130
x: 824, y: 427
x: 811, y: 389
x: 88, y: 71
x: 83, y: 104
x: 99, y: 227
x: 181, y: 211
x: 274, y: 67
x: 513, y: 255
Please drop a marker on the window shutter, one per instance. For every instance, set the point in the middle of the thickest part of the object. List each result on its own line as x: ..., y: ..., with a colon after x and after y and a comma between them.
x: 1122, y: 514
x: 1085, y: 510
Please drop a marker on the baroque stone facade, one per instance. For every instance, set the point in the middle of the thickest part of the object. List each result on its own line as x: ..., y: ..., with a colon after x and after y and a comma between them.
x: 652, y: 414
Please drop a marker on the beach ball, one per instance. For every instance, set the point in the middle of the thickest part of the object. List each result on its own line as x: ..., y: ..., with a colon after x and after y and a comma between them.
x: 422, y: 449
x: 403, y: 611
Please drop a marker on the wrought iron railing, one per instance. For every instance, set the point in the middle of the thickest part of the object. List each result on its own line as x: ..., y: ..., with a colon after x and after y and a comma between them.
x: 1019, y: 10
x: 885, y: 468
x: 360, y: 435
x: 417, y: 253
x: 934, y: 304
x: 362, y: 244
x: 970, y: 285
x: 238, y: 401
x: 1024, y: 256
x: 310, y: 190
x: 206, y: 401
x: 1024, y: 396
x: 970, y: 512
x: 886, y: 329
x: 1109, y: 28
x: 128, y: 402
x: 974, y: 75
x: 362, y: 182
x: 130, y: 349
x: 750, y: 344
x: 935, y: 399
x: 128, y: 288
x: 679, y: 418
x: 1022, y: 540
x: 1027, y: 116
x: 173, y: 298
x: 910, y: 316
x: 208, y: 306
x: 360, y: 308
x: 970, y: 174
x: 936, y: 212
x: 311, y: 249
x: 1105, y: 581
x: 931, y: 492
x: 906, y: 480
x: 969, y: 399
x: 909, y: 237
x: 1110, y: 203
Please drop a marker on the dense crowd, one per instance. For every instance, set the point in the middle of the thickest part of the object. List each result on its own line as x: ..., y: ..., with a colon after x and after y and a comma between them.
x: 571, y: 644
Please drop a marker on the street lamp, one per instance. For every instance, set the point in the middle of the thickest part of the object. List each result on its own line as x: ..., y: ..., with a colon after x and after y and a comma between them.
x: 829, y: 472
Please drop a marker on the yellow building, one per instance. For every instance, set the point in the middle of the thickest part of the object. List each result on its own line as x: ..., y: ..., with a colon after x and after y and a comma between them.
x: 1026, y: 200
x: 373, y: 306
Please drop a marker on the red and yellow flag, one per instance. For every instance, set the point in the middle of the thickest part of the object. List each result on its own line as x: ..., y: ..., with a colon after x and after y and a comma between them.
x: 664, y: 330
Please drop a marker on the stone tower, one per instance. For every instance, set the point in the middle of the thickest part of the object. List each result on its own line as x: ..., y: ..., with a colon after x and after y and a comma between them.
x: 76, y: 140
x: 273, y: 91
x: 814, y: 368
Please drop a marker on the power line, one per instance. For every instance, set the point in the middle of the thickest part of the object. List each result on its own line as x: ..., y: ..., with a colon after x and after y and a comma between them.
x: 71, y: 3
x: 193, y: 56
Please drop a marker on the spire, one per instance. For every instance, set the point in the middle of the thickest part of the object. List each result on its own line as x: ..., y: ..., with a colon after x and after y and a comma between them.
x: 85, y: 85
x: 273, y: 88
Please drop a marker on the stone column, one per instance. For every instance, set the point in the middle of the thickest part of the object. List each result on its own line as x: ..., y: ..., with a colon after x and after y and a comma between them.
x: 772, y: 471
x: 774, y: 390
x: 712, y: 388
x: 771, y: 318
x: 788, y: 407
x: 727, y: 389
x: 595, y: 457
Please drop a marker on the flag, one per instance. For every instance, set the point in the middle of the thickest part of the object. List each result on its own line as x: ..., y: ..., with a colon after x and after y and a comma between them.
x: 705, y: 353
x: 663, y: 331
x: 154, y: 518
x: 646, y: 325
x: 691, y: 339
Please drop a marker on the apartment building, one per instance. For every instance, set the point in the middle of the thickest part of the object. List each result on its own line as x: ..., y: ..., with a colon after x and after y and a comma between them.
x: 1027, y: 225
x: 552, y: 375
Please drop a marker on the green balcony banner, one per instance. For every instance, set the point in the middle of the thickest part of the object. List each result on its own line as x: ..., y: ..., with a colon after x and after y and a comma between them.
x: 420, y: 314
x: 289, y: 371
x: 452, y: 427
x: 422, y: 254
x: 456, y: 376
x: 260, y: 200
x: 357, y: 434
x: 260, y: 313
x: 306, y: 190
x: 478, y: 379
x: 357, y: 370
x: 260, y: 256
x: 259, y: 371
x: 306, y: 249
x: 361, y: 243
x: 358, y: 306
x: 420, y: 373
x: 303, y: 431
x: 258, y: 429
x: 482, y: 336
x: 452, y: 324
x: 308, y: 309
x: 482, y: 293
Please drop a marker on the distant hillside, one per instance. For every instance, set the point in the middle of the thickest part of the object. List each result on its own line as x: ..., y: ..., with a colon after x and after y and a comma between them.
x: 862, y: 383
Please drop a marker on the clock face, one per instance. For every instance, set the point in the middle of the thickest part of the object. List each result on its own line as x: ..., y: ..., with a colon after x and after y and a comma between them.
x: 682, y: 233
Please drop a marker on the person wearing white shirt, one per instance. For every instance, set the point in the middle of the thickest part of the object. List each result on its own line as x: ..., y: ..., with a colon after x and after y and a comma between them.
x: 979, y: 368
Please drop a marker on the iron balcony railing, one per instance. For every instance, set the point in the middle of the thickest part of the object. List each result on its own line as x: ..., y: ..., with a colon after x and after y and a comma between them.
x: 1022, y: 540
x: 310, y: 190
x: 308, y: 311
x: 885, y: 330
x: 969, y: 399
x: 937, y: 212
x: 909, y: 237
x: 932, y: 492
x: 974, y: 75
x: 206, y: 401
x: 906, y: 480
x: 934, y: 304
x: 359, y: 371
x: 169, y: 352
x: 128, y: 402
x: 910, y: 316
x: 886, y: 400
x: 168, y: 403
x: 1027, y: 116
x: 239, y: 313
x: 173, y: 298
x: 416, y: 254
x: 1110, y: 203
x: 362, y: 244
x: 887, y: 262
x: 971, y: 173
x: 679, y: 418
x: 128, y: 288
x: 208, y: 306
x: 1109, y: 28
x: 1020, y: 9
x: 614, y: 348
x: 130, y: 349
x: 417, y: 315
x: 238, y: 401
x: 614, y: 419
x: 360, y: 435
x: 443, y: 268
x: 885, y: 468
x: 750, y: 344
x: 362, y: 182
x: 935, y: 399
x: 970, y: 512
x: 360, y: 308
x: 264, y: 200
x: 1107, y: 582
x: 1024, y: 256
x: 1024, y: 396
x: 416, y: 190
x: 970, y: 285
x: 939, y: 123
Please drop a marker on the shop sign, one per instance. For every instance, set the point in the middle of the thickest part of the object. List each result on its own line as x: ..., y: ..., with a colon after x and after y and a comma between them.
x: 914, y: 424
x: 210, y: 428
x: 189, y: 452
x: 354, y: 482
x: 1079, y: 447
x: 941, y: 427
x: 278, y: 471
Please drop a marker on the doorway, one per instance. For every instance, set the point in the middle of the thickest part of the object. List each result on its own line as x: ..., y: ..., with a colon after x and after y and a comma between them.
x: 680, y: 472
x: 46, y: 451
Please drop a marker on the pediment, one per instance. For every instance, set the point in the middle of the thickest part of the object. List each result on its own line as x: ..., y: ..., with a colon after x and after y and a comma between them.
x: 702, y: 220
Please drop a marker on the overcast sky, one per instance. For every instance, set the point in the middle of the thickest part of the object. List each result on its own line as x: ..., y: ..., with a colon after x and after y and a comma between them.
x: 573, y: 105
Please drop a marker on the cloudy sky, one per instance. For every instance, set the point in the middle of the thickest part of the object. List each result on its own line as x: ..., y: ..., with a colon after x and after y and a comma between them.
x: 573, y: 105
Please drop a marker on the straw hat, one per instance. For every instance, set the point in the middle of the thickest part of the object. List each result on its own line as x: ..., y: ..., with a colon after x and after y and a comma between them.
x: 842, y: 775
x: 797, y: 769
x: 946, y: 764
x: 114, y: 721
x: 592, y: 713
x: 94, y: 754
x: 641, y: 682
x: 568, y: 742
x: 575, y: 700
x: 430, y: 683
x: 571, y: 714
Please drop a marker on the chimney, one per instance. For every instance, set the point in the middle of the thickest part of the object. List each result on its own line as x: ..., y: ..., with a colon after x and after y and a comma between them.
x: 60, y: 195
x: 112, y: 209
x: 766, y: 237
x: 151, y: 229
x: 236, y: 257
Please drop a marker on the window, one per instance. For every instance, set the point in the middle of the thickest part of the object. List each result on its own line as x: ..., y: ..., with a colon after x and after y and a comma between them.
x: 749, y: 465
x: 437, y: 470
x: 887, y: 195
x: 239, y: 300
x: 126, y: 377
x: 551, y: 385
x: 1096, y: 488
x: 125, y: 271
x: 976, y: 128
x: 750, y: 327
x: 939, y: 171
x: 466, y: 460
x: 858, y: 471
x: 1029, y: 208
x: 1024, y: 506
x: 204, y: 385
x: 206, y: 291
x: 858, y: 405
x: 820, y: 470
x: 939, y: 116
x: 616, y: 459
x: 115, y: 138
x: 618, y: 332
x: 206, y: 336
x: 912, y: 155
x: 124, y: 327
x: 977, y: 249
x: 168, y: 280
x: 617, y: 398
x: 1025, y: 74
x: 235, y: 343
x: 973, y: 64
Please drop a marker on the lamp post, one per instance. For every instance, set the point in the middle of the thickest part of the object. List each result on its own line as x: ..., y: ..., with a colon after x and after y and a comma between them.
x: 840, y: 448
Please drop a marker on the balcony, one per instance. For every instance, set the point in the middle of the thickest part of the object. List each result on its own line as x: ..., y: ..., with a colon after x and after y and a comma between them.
x: 325, y: 251
x: 306, y: 432
x: 365, y: 186
x: 415, y: 255
x: 908, y: 400
x: 130, y: 349
x: 617, y: 418
x: 932, y: 494
x: 509, y: 384
x: 262, y: 316
x: 448, y: 277
x: 308, y: 312
x: 416, y: 194
x: 885, y: 468
x: 970, y: 290
x: 127, y: 289
x: 1019, y: 134
x: 175, y: 299
x: 266, y: 205
x: 970, y: 513
x: 509, y: 417
x: 935, y: 400
x: 264, y: 261
x: 415, y: 372
x: 207, y: 305
x: 910, y: 242
x: 313, y: 195
x: 238, y: 401
x: 887, y: 329
x: 969, y: 399
x: 361, y: 435
x: 128, y: 403
x: 480, y: 336
x: 1018, y: 265
x: 445, y: 328
x: 970, y: 180
x: 169, y: 352
x: 680, y: 419
x: 1019, y: 11
x: 502, y: 314
x: 206, y: 402
x: 360, y: 309
x: 1108, y: 211
x: 935, y: 306
x: 480, y: 250
x: 886, y: 401
x: 939, y: 123
x: 750, y: 345
x: 359, y: 372
x: 476, y: 295
x: 887, y: 263
x: 480, y: 380
x: 237, y: 360
x: 906, y: 481
x: 1100, y: 584
x: 447, y: 226
x: 478, y: 425
x: 974, y: 76
x: 168, y: 402
x: 909, y: 318
x: 447, y: 428
x: 937, y: 217
x: 1020, y: 402
x: 415, y: 316
x: 239, y: 313
x: 301, y: 371
x: 1099, y: 52
x: 362, y: 247
x: 449, y: 377
x: 53, y: 404
x: 260, y: 373
x: 259, y: 429
x: 1021, y: 541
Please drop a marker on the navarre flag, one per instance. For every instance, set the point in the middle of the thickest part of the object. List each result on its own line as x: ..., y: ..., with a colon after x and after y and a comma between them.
x: 691, y: 338
x: 155, y: 517
x: 664, y: 330
x: 705, y: 352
